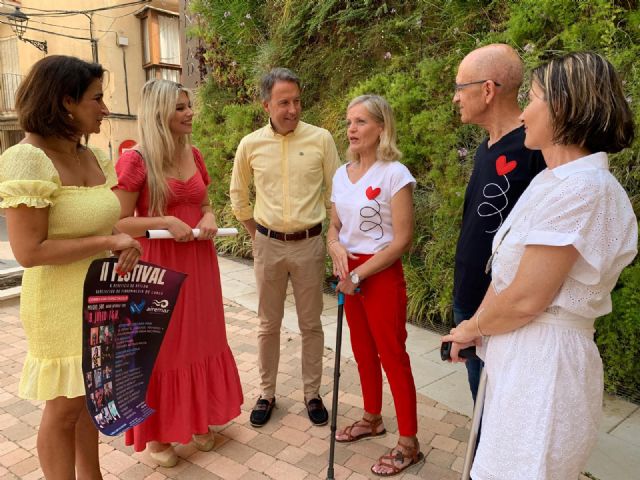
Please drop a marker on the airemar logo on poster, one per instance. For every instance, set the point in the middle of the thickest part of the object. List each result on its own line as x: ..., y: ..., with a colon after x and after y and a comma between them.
x: 159, y: 306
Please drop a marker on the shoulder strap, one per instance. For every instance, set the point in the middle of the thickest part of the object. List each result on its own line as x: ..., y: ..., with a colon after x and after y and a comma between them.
x: 202, y: 168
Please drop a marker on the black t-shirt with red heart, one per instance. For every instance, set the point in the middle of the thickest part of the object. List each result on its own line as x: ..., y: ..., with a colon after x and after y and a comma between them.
x: 500, y: 174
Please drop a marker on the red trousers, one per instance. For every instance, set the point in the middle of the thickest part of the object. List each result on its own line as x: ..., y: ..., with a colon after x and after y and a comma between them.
x: 377, y: 316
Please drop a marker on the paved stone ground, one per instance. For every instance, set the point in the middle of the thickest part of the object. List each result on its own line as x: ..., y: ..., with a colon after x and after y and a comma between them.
x: 288, y: 447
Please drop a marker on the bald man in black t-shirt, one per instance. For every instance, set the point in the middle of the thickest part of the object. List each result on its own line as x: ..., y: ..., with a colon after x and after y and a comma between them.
x: 486, y: 94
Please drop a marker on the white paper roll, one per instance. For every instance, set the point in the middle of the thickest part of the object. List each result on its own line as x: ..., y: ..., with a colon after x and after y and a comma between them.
x: 162, y: 234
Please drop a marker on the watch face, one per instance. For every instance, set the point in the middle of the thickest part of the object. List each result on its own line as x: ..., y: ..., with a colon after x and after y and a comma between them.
x: 355, y: 278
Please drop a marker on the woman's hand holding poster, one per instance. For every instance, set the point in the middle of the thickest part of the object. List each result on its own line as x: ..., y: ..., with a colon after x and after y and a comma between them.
x: 125, y: 319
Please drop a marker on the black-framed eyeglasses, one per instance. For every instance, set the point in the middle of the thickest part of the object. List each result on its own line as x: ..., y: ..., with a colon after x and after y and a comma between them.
x: 460, y: 86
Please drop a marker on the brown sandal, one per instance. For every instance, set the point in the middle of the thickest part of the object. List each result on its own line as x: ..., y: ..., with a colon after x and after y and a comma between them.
x: 402, y: 452
x: 372, y: 424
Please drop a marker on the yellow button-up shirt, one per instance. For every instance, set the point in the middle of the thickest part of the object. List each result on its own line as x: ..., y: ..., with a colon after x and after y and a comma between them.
x: 292, y: 175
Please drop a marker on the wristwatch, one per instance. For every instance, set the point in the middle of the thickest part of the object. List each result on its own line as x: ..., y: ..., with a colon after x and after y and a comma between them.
x: 355, y: 278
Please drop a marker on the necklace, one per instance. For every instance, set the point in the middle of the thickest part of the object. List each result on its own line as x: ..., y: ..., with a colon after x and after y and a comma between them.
x: 73, y: 155
x: 178, y: 172
x: 179, y: 158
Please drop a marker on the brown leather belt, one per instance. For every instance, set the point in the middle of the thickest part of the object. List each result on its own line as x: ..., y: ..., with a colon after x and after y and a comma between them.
x: 290, y: 237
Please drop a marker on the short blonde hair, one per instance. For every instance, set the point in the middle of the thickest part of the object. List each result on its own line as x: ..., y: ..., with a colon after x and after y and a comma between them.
x: 382, y: 113
x: 587, y: 103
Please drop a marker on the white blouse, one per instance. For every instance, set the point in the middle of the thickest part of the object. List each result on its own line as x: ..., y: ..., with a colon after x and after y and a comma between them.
x: 581, y: 204
x: 364, y: 207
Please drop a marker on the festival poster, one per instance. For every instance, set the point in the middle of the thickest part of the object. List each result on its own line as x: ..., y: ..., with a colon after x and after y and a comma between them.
x: 125, y: 319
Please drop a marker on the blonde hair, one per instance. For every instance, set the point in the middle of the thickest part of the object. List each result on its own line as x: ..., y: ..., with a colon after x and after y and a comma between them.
x: 156, y: 144
x: 381, y: 112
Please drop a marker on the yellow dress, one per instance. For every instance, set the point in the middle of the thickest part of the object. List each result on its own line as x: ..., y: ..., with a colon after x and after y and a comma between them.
x: 51, y: 299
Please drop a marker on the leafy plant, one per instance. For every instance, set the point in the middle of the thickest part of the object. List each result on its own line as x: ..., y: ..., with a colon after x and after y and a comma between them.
x: 618, y: 337
x: 407, y: 52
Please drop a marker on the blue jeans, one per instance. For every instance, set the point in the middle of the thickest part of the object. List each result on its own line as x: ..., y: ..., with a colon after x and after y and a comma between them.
x: 473, y: 365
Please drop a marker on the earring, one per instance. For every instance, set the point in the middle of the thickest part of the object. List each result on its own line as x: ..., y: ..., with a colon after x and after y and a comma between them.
x: 70, y: 115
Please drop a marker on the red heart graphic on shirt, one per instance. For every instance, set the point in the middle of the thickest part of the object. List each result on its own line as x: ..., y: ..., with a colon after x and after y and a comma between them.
x: 372, y: 192
x: 503, y: 166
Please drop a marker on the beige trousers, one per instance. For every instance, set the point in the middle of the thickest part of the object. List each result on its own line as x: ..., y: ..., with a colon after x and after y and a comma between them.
x: 275, y: 262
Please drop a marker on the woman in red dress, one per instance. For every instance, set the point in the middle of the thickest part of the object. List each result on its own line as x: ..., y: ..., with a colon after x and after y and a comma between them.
x: 162, y: 184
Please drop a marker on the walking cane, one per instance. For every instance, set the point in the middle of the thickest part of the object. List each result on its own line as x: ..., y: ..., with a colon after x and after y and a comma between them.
x: 336, y: 382
x: 475, y: 426
x: 445, y: 354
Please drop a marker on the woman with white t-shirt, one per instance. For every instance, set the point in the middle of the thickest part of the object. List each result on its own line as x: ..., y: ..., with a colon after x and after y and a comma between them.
x: 555, y: 261
x: 371, y: 227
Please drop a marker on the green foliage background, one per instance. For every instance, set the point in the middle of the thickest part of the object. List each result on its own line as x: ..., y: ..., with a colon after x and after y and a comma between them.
x: 408, y: 51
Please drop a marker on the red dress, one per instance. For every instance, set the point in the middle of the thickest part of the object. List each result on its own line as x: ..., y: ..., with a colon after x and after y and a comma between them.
x: 195, y: 381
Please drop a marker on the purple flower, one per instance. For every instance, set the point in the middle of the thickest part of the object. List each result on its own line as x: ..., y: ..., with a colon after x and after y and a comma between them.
x: 387, y: 56
x: 462, y: 152
x: 227, y: 14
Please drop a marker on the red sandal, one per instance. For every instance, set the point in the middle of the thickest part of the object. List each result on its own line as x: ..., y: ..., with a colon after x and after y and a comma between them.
x: 402, y: 453
x: 372, y: 424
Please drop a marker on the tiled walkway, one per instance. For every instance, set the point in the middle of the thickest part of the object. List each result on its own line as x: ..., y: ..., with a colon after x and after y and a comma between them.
x: 288, y: 447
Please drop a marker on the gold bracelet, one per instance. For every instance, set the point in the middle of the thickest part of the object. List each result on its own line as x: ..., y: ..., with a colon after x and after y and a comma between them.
x: 478, y: 322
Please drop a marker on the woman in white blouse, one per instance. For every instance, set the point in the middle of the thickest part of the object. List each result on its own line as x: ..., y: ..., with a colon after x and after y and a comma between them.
x: 555, y: 261
x: 371, y: 227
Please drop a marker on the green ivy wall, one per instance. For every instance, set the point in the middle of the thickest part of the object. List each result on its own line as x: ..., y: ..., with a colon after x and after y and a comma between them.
x: 408, y: 51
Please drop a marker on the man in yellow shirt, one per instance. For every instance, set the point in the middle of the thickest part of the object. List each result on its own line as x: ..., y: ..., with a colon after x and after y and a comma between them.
x: 292, y: 165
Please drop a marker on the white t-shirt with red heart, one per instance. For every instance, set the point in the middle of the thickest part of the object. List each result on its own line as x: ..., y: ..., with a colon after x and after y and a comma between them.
x: 364, y: 207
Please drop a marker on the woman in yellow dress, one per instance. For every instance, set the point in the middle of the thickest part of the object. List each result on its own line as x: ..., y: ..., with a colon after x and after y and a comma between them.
x: 60, y: 210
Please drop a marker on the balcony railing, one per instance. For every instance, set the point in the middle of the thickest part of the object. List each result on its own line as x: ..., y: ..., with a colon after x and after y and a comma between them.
x: 8, y: 85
